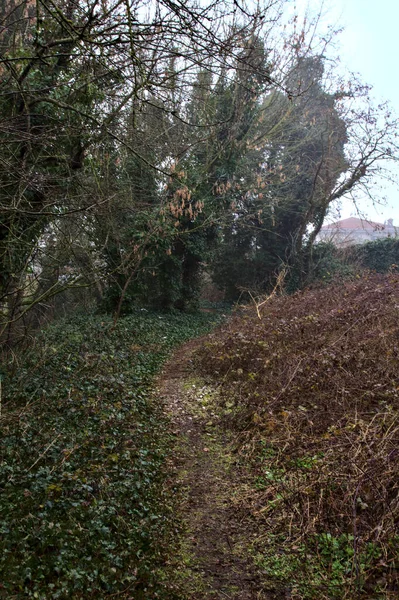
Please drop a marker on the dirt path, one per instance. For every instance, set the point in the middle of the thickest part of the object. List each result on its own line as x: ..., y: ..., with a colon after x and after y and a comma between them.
x: 212, y: 561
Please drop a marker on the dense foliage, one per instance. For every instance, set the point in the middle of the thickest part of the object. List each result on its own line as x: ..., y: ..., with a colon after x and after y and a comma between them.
x: 83, y: 447
x: 289, y: 177
x: 312, y: 386
x: 329, y: 262
x: 381, y: 256
x: 142, y: 143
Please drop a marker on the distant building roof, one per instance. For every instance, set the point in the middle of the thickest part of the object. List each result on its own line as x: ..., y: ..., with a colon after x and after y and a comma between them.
x: 356, y: 231
x: 354, y: 223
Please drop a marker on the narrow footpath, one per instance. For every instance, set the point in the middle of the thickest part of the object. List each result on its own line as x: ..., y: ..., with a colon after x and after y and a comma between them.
x: 213, y: 560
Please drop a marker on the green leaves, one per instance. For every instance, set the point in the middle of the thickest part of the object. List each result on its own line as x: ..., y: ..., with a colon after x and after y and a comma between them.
x: 83, y: 448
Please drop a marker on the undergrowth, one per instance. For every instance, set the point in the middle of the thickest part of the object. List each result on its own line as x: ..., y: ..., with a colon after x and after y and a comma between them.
x: 83, y: 510
x: 313, y: 389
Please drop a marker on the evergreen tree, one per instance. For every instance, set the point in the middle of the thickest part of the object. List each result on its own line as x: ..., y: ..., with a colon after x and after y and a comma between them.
x: 287, y: 179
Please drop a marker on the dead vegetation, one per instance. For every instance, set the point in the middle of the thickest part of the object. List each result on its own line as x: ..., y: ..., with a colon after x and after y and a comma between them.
x: 313, y: 389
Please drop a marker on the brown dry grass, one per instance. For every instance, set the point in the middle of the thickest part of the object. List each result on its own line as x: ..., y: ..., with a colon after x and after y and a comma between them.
x: 315, y: 387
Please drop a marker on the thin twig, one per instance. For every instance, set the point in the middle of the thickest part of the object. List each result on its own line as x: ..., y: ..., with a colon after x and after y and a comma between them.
x: 45, y: 452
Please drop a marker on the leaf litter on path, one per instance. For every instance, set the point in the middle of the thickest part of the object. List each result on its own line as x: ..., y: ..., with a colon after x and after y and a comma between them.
x: 212, y: 560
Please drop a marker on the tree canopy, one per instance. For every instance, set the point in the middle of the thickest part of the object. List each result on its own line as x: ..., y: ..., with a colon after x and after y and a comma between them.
x: 141, y: 141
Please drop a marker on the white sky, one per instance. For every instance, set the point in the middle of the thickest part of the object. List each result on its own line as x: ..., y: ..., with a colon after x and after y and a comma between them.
x: 369, y: 45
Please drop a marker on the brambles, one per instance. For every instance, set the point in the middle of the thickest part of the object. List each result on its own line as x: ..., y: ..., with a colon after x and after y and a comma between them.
x: 315, y: 393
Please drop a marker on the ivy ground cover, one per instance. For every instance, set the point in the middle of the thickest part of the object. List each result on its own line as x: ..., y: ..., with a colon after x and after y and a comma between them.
x: 83, y: 448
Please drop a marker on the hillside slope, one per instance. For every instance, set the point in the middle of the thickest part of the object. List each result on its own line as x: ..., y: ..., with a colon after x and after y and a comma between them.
x: 313, y: 390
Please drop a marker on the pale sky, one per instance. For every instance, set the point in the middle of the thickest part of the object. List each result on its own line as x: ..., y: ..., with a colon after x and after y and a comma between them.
x: 369, y: 45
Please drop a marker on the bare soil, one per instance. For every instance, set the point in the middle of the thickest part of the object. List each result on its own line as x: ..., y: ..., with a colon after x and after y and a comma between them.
x: 213, y: 560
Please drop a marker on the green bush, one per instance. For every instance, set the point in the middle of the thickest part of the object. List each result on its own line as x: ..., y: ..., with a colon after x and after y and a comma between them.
x: 380, y: 255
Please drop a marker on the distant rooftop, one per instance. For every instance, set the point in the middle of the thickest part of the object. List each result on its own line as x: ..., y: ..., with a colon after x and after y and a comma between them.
x: 353, y: 223
x: 356, y: 231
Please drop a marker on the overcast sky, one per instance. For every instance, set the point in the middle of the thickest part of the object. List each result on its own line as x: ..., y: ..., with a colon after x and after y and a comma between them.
x: 369, y: 45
